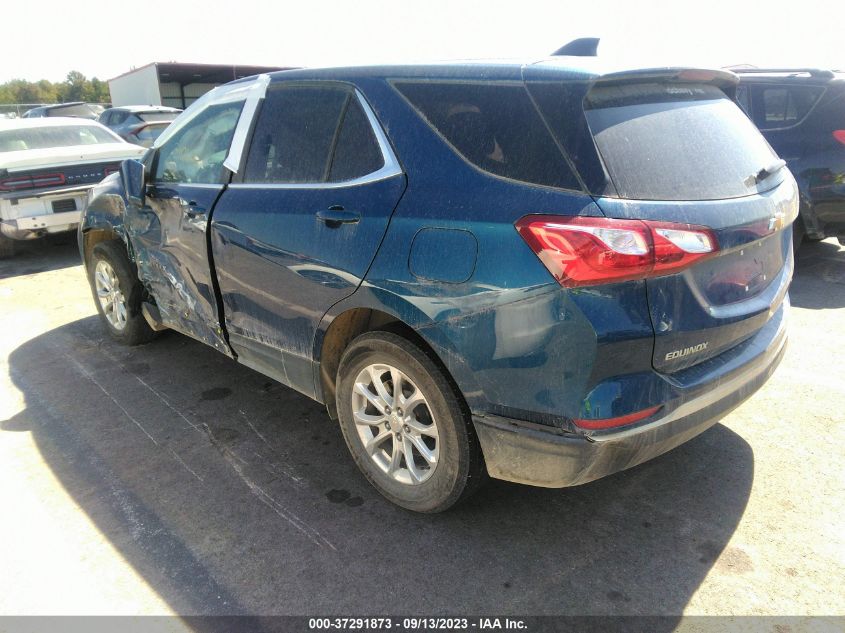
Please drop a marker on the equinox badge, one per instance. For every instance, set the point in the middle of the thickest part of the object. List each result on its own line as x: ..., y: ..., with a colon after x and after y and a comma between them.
x: 680, y: 353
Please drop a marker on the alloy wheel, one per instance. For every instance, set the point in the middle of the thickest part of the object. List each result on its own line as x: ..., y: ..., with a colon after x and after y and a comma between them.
x: 395, y: 424
x: 110, y: 295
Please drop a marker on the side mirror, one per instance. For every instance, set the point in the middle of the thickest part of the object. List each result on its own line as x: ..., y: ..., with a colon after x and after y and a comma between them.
x: 134, y: 177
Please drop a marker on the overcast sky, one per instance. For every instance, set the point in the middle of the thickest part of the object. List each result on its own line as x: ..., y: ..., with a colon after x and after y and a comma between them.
x: 105, y: 38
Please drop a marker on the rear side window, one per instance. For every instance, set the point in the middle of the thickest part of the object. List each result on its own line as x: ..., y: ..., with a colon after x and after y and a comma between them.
x: 311, y: 134
x: 356, y: 152
x: 782, y: 107
x: 676, y: 142
x: 495, y: 127
x: 118, y: 117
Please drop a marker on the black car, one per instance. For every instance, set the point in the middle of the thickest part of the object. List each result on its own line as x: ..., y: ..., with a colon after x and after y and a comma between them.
x: 801, y: 112
x: 78, y: 109
x: 139, y: 124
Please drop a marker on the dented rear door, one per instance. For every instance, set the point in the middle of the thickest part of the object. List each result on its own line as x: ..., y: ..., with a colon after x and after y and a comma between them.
x: 298, y: 232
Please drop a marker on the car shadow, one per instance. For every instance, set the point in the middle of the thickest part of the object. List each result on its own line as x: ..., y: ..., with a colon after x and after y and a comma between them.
x: 819, y: 280
x: 231, y: 494
x: 41, y: 255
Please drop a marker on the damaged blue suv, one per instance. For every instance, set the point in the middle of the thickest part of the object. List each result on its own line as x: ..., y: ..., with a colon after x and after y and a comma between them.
x: 543, y: 272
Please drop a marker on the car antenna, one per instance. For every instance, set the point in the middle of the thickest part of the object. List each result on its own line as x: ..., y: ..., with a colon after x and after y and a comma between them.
x: 582, y: 47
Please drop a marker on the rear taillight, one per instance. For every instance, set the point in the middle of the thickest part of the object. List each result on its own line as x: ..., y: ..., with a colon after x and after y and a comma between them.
x: 839, y: 135
x: 38, y: 181
x: 585, y: 251
x: 622, y: 420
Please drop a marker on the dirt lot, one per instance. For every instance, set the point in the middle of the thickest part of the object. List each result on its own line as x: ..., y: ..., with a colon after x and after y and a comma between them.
x: 168, y: 478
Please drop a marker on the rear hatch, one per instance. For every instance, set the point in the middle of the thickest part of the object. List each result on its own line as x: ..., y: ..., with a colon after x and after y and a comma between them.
x: 674, y: 147
x: 685, y: 153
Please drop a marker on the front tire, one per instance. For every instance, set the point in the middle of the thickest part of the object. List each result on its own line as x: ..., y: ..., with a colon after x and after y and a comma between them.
x: 118, y: 294
x: 405, y: 425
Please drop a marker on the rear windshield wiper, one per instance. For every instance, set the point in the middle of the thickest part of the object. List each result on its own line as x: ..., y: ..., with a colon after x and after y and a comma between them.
x: 766, y: 172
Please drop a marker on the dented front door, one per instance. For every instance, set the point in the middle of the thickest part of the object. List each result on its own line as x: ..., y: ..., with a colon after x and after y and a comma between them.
x: 169, y: 240
x: 169, y: 233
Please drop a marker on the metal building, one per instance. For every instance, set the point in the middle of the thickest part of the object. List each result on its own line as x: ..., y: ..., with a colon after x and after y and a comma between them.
x: 175, y: 84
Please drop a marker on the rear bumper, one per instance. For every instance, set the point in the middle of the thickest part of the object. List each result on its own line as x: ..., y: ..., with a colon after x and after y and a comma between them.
x: 35, y: 226
x: 545, y: 456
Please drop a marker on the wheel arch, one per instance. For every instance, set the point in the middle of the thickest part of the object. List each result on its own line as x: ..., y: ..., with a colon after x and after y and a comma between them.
x: 340, y: 327
x: 102, y: 218
x: 93, y: 236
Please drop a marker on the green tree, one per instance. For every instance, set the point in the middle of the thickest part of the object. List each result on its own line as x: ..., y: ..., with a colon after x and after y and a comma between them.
x: 47, y: 92
x: 76, y: 87
x: 97, y: 91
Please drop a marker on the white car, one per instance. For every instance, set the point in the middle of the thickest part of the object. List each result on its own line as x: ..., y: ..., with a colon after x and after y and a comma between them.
x: 47, y: 166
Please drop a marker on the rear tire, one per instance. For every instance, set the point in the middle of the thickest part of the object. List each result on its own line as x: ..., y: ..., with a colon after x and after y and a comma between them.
x: 118, y: 294
x: 425, y: 458
x: 798, y: 232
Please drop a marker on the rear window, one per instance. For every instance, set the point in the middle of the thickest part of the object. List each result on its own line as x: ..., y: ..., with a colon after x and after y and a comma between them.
x: 83, y: 110
x: 154, y: 117
x: 59, y: 136
x: 150, y: 133
x: 676, y: 142
x: 495, y: 127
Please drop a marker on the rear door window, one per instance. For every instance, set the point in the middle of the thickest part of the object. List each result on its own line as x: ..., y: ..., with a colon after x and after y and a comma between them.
x: 312, y: 134
x: 676, y: 142
x: 494, y: 126
x: 785, y: 106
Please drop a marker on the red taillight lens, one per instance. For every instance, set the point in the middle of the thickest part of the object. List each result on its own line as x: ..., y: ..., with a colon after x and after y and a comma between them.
x: 611, y: 423
x: 839, y: 135
x: 586, y: 251
x: 29, y: 181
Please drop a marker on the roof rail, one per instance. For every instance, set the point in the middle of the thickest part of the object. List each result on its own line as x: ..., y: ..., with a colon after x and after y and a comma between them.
x: 813, y: 72
x: 582, y: 47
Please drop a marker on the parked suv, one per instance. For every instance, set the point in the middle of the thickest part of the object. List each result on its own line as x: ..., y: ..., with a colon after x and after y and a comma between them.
x: 546, y: 272
x: 141, y: 125
x: 801, y: 112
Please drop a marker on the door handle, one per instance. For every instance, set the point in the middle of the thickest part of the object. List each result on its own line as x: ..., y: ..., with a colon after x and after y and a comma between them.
x: 191, y: 210
x: 336, y: 215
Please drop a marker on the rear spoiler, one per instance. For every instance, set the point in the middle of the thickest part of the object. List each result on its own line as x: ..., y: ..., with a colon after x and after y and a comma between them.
x: 725, y: 80
x: 821, y: 73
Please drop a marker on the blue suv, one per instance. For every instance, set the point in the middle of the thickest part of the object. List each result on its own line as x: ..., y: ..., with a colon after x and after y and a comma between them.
x: 544, y: 272
x: 801, y: 112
